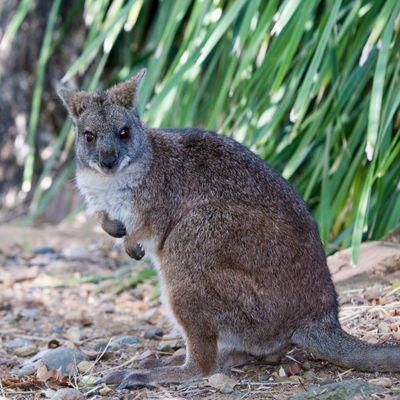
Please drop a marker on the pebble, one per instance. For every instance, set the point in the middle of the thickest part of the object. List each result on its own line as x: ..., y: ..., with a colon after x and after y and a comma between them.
x: 18, y: 342
x: 153, y: 333
x: 75, y: 252
x: 309, y: 375
x: 41, y: 261
x: 165, y: 347
x: 56, y: 328
x: 74, y: 334
x: 103, y: 344
x: 349, y: 390
x: 128, y: 340
x: 222, y: 382
x: 306, y: 365
x: 68, y: 394
x: 85, y: 366
x: 382, y: 382
x: 29, y: 313
x: 105, y: 391
x: 372, y: 293
x: 25, y: 351
x: 61, y: 358
x: 264, y: 376
x: 383, y: 327
x: 44, y: 250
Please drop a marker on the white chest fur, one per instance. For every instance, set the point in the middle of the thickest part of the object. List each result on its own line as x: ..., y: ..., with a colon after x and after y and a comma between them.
x: 112, y: 194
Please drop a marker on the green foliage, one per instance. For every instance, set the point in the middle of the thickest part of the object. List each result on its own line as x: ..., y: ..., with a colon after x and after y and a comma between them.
x: 311, y: 86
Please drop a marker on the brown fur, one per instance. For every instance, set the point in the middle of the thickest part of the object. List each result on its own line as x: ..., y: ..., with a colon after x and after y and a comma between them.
x: 241, y: 263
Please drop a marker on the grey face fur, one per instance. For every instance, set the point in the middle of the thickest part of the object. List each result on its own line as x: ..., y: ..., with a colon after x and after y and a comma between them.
x: 109, y: 134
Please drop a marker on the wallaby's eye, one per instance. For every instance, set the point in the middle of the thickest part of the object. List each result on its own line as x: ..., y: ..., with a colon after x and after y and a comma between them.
x: 124, y: 133
x: 89, y: 136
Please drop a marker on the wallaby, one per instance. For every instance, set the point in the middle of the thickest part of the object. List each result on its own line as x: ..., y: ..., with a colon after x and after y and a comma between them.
x: 239, y: 257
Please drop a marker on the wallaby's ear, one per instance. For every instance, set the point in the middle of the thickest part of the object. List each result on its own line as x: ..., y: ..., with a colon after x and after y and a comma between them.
x: 75, y: 101
x: 125, y: 93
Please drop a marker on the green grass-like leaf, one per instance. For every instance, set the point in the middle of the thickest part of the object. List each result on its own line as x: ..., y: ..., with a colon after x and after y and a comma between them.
x: 311, y: 86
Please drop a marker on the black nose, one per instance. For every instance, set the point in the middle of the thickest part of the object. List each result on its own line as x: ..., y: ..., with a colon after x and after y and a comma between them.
x: 108, y: 161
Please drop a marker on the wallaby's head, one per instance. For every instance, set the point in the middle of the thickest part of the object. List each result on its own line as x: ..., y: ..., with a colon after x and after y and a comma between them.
x: 109, y: 135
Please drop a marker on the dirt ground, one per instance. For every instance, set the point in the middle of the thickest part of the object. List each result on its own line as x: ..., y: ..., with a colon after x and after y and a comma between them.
x: 69, y: 287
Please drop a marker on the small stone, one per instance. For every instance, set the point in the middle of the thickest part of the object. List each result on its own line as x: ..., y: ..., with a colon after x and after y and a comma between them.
x: 264, y: 376
x: 29, y: 313
x: 105, y: 391
x: 165, y: 347
x: 306, y: 366
x: 383, y: 327
x: 25, y: 351
x: 63, y: 358
x: 349, y: 390
x: 153, y: 333
x: 56, y: 328
x: 226, y: 389
x: 128, y: 340
x: 222, y: 382
x: 106, y: 345
x: 382, y: 382
x: 76, y: 252
x: 44, y: 250
x: 18, y: 342
x: 85, y: 366
x: 373, y: 293
x: 74, y: 334
x: 48, y: 393
x: 40, y: 261
x: 68, y: 394
x: 309, y: 375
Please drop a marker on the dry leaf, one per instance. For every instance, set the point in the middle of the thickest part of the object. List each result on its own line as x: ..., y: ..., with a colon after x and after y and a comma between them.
x: 55, y: 375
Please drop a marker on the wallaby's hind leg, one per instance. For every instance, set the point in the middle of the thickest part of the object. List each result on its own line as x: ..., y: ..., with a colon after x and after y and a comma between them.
x: 163, y: 361
x: 200, y: 361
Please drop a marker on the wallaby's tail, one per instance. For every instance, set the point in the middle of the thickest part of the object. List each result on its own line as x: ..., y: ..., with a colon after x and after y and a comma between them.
x: 329, y: 342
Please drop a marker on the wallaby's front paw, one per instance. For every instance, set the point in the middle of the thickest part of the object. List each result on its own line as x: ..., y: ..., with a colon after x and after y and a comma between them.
x: 126, y: 379
x: 134, y: 251
x: 113, y: 227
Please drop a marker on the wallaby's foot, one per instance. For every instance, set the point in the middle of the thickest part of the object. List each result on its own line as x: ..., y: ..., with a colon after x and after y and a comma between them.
x: 127, y: 379
x: 200, y: 361
x: 113, y: 227
x: 225, y: 361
